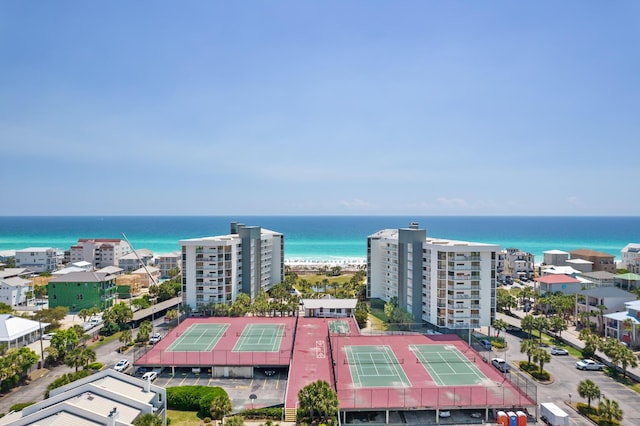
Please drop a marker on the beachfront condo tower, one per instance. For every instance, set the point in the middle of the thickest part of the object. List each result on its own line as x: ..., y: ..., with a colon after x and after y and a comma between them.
x: 215, y: 269
x: 445, y: 283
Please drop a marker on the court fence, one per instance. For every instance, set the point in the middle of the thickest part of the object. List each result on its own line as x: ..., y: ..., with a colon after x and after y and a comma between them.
x: 216, y: 357
x: 433, y: 397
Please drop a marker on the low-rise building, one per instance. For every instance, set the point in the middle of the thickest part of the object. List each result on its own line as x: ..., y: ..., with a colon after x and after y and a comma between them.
x: 580, y: 265
x: 16, y: 291
x: 82, y: 290
x: 602, y: 300
x: 329, y: 308
x: 519, y: 264
x: 630, y: 257
x: 168, y: 263
x: 628, y: 280
x: 100, y: 252
x: 599, y: 278
x: 555, y: 257
x: 134, y: 260
x: 148, y: 276
x: 555, y: 283
x: 16, y: 331
x: 39, y: 259
x: 625, y: 325
x: 601, y: 261
x: 104, y: 398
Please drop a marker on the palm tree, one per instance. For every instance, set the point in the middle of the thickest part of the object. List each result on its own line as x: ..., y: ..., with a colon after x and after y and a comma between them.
x: 500, y: 325
x: 318, y: 397
x: 73, y: 358
x: 601, y: 308
x: 528, y: 346
x: 588, y: 389
x: 629, y: 327
x: 541, y: 323
x: 125, y: 337
x: 557, y: 324
x: 610, y: 410
x: 528, y: 323
x: 623, y: 356
x: 541, y: 357
x: 87, y: 356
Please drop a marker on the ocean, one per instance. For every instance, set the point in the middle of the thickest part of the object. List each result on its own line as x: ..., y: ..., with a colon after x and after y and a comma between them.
x: 326, y: 238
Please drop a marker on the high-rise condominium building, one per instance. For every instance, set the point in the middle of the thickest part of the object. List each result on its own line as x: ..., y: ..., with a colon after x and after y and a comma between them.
x: 216, y: 269
x: 446, y: 283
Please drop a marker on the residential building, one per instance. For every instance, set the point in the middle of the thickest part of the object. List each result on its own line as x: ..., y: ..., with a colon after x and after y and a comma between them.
x: 16, y: 331
x: 128, y: 286
x: 39, y: 259
x: 580, y: 265
x: 103, y: 398
x: 148, y: 276
x: 555, y: 283
x: 630, y: 256
x: 555, y: 257
x: 600, y: 301
x: 134, y: 260
x: 215, y: 269
x: 625, y: 325
x: 628, y: 280
x: 101, y: 252
x: 446, y: 283
x: 601, y: 261
x: 519, y: 263
x: 16, y: 291
x: 558, y: 270
x: 82, y: 290
x: 599, y: 278
x: 167, y: 263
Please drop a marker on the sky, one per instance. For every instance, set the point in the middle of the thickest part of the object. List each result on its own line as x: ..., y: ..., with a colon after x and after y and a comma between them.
x: 361, y: 107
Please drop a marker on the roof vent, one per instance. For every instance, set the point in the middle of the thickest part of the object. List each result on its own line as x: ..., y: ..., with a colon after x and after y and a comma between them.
x: 414, y: 225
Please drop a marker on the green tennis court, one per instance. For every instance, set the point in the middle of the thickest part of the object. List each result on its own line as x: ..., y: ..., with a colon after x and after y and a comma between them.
x: 447, y: 365
x: 339, y: 327
x: 260, y: 338
x: 198, y: 338
x: 375, y: 366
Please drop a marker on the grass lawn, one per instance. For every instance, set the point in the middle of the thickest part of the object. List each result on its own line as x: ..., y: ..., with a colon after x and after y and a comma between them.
x: 183, y: 418
x: 376, y: 323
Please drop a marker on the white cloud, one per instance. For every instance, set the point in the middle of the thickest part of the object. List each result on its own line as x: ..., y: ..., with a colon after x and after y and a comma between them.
x: 357, y: 204
x: 453, y: 202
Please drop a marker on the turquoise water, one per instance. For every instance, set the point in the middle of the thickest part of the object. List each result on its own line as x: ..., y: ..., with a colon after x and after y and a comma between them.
x: 327, y: 238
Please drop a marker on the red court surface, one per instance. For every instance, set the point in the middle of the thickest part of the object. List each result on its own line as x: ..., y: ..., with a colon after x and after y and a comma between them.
x: 222, y: 353
x: 423, y: 393
x: 311, y: 357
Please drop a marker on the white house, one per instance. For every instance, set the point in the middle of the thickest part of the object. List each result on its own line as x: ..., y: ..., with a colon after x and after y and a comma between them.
x: 39, y: 259
x: 630, y: 257
x: 15, y: 291
x: 332, y: 308
x: 135, y: 260
x: 602, y: 300
x: 104, y: 398
x: 17, y: 331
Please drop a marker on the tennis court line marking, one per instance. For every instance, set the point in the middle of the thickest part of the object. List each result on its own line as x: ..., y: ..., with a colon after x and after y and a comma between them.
x: 472, y: 369
x: 192, y: 331
x: 387, y: 354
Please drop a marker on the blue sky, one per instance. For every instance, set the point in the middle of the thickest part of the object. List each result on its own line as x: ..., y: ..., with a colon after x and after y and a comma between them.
x: 319, y: 107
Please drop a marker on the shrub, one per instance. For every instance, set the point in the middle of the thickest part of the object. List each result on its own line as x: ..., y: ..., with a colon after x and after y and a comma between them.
x: 19, y: 406
x: 96, y: 366
x: 207, y: 420
x: 193, y: 398
x: 274, y: 413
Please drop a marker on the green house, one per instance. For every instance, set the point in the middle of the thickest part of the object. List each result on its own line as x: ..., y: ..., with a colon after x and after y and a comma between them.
x: 82, y: 290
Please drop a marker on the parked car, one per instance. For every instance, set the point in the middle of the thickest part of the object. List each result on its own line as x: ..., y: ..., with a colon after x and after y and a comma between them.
x: 444, y: 414
x: 155, y: 338
x: 589, y: 364
x: 500, y: 364
x: 48, y: 336
x: 140, y: 371
x: 150, y: 376
x: 269, y: 372
x: 122, y: 365
x: 559, y: 351
x: 487, y: 344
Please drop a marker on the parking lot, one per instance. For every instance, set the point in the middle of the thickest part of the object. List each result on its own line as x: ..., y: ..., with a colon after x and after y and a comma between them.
x: 267, y: 390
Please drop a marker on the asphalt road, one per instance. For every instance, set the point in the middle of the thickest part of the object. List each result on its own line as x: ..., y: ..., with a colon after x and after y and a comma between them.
x: 565, y: 384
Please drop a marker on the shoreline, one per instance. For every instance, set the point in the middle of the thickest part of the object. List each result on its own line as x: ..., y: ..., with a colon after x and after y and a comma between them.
x: 313, y: 265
